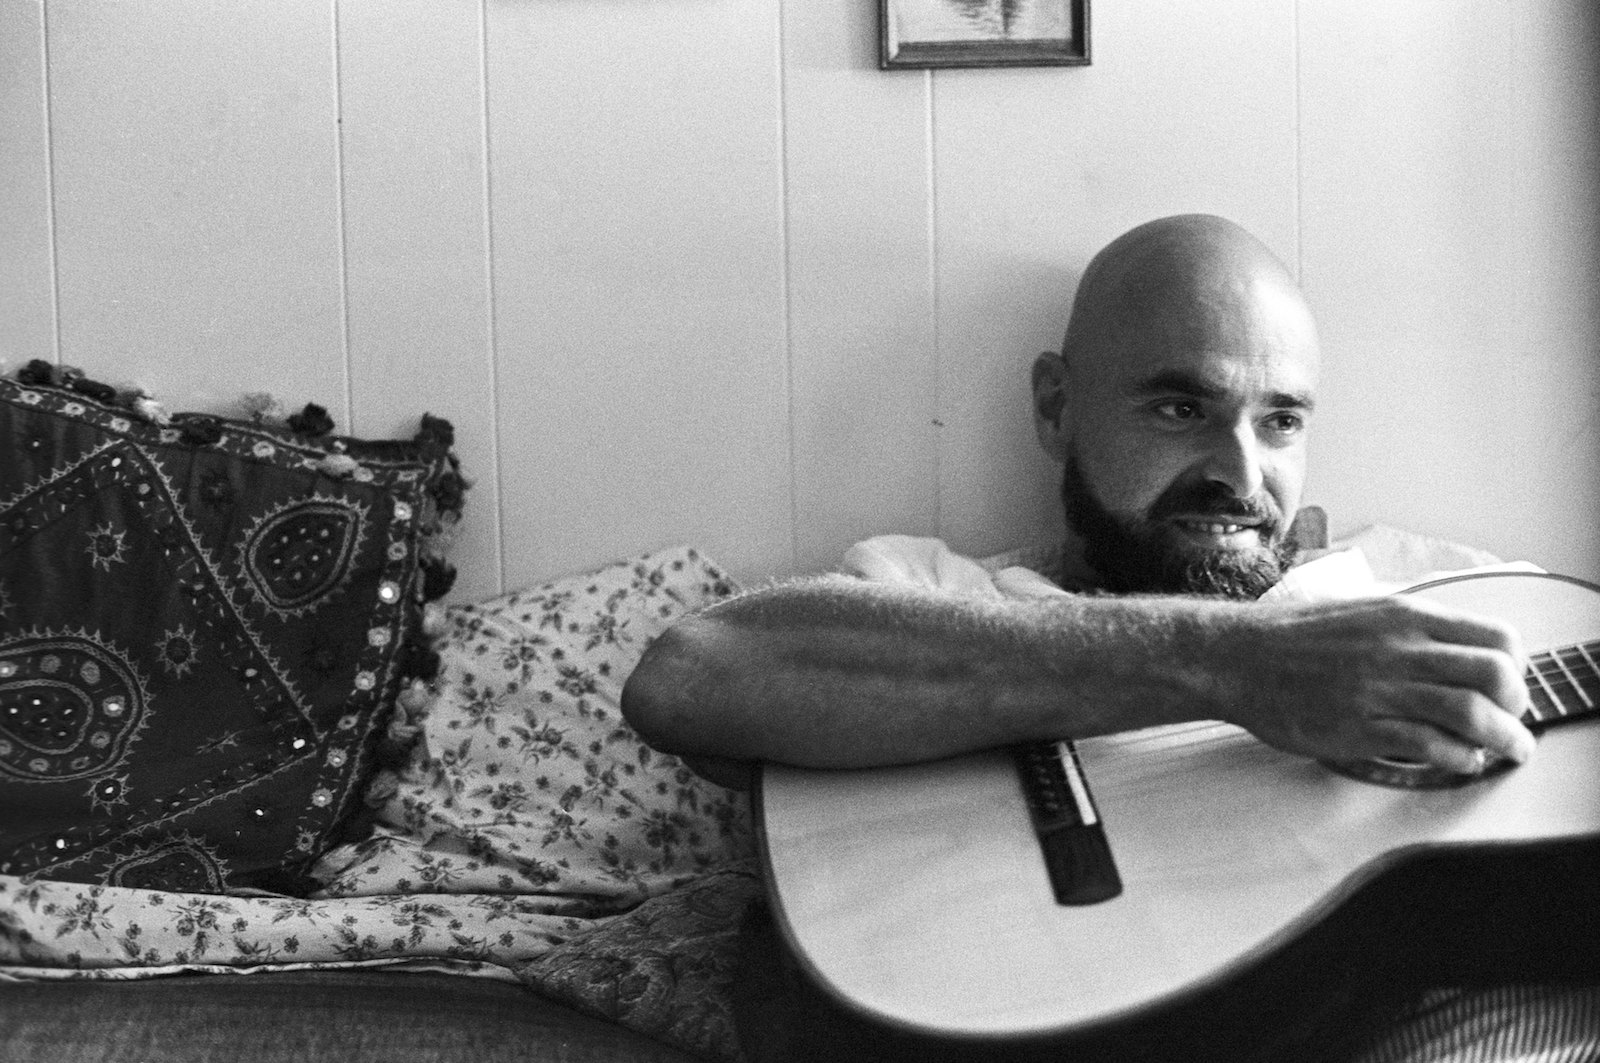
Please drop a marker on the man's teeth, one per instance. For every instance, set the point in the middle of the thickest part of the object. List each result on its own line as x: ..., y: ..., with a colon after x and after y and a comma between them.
x: 1216, y: 529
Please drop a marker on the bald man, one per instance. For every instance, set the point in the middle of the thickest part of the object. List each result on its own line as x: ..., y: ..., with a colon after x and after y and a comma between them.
x: 1180, y: 407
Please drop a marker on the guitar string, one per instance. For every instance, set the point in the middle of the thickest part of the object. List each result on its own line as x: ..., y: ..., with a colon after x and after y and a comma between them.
x: 1160, y: 732
x: 1140, y: 752
x: 1574, y: 673
x: 1158, y: 751
x: 1567, y: 675
x: 1574, y: 669
x: 1561, y: 677
x: 1178, y: 743
x: 1135, y: 773
x: 1171, y: 744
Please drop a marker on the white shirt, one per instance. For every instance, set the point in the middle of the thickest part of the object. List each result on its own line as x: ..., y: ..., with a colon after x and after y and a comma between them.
x: 1344, y: 572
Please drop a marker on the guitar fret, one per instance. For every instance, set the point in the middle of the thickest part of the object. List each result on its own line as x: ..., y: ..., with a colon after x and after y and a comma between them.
x: 1556, y: 681
x: 1554, y: 706
x: 1588, y: 703
x: 1555, y: 676
x: 1539, y: 708
x: 1582, y: 664
x: 1591, y: 672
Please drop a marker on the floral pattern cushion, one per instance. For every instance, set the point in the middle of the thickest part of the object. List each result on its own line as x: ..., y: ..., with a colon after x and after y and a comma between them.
x: 51, y: 930
x: 526, y: 779
x: 665, y: 969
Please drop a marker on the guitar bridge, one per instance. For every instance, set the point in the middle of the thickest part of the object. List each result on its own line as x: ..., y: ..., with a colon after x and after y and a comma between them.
x: 1072, y: 839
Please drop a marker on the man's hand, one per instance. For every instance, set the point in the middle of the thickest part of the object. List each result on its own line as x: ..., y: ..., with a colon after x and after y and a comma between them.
x: 1399, y: 678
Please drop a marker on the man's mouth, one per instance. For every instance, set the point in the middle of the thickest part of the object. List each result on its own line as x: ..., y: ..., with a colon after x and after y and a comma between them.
x: 1216, y: 532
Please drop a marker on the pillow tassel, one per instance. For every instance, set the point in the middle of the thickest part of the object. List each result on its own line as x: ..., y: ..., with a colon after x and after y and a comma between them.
x: 312, y: 421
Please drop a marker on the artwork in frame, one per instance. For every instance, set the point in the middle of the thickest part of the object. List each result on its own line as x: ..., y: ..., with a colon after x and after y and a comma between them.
x: 944, y: 33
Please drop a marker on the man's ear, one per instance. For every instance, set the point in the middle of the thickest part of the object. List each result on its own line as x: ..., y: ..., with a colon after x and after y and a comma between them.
x: 1050, y: 404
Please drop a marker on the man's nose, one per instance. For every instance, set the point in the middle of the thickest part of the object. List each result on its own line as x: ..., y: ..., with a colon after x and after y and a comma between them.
x: 1233, y: 459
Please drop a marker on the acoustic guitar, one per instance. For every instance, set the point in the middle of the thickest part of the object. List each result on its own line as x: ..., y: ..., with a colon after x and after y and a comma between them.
x: 1065, y: 887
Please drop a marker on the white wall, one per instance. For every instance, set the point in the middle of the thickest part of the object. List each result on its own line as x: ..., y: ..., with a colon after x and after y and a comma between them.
x: 695, y: 270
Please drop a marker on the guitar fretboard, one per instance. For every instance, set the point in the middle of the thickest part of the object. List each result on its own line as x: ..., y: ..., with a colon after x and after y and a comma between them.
x: 1563, y: 684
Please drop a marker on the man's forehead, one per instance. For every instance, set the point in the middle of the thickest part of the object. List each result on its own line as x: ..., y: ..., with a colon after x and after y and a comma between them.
x: 1250, y: 336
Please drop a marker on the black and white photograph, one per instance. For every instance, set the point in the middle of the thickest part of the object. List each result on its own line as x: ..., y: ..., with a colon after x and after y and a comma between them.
x: 799, y: 531
x: 924, y: 33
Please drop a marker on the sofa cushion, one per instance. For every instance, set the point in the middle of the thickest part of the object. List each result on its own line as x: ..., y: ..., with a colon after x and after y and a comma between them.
x: 203, y: 625
x: 527, y: 779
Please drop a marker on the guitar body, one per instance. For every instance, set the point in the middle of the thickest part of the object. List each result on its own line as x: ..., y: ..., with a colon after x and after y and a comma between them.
x: 917, y: 895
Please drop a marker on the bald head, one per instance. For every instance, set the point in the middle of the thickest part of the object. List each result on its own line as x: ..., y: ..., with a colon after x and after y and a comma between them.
x: 1191, y: 280
x: 1179, y: 407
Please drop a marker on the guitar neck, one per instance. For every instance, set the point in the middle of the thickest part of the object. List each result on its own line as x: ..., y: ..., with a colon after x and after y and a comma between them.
x: 1563, y: 684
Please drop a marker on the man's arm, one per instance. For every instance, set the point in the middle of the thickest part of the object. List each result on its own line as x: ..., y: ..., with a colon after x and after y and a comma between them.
x: 838, y: 672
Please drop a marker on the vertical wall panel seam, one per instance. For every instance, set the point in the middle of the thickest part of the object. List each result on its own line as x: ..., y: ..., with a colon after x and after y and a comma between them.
x: 342, y: 225
x: 786, y: 275
x: 1518, y: 136
x: 50, y: 180
x: 1299, y: 156
x: 491, y: 335
x: 932, y: 196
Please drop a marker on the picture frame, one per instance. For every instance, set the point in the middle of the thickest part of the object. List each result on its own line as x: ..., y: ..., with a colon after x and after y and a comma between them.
x: 917, y: 34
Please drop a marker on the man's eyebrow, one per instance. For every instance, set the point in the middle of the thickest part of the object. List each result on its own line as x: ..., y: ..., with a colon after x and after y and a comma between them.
x: 1180, y: 382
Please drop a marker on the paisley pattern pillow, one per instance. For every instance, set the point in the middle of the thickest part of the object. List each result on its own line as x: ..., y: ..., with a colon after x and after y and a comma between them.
x: 203, y: 625
x: 526, y: 778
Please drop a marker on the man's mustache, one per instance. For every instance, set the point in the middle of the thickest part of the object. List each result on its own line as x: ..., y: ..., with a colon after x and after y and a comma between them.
x: 1211, y: 499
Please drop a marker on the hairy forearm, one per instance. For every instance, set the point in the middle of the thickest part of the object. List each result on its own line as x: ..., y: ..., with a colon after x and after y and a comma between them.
x: 846, y: 673
x: 842, y: 673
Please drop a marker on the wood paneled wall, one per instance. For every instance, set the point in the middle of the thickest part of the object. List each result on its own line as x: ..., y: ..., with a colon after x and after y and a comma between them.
x: 697, y: 271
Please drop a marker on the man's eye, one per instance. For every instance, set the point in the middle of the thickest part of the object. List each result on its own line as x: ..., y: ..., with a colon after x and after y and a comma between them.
x: 1178, y: 409
x: 1286, y: 423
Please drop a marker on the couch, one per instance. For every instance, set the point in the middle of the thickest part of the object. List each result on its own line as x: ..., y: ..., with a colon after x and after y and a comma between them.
x: 264, y: 796
x: 312, y: 1015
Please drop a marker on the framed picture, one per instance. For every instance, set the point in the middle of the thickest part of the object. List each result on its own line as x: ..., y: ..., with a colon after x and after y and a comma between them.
x: 925, y: 33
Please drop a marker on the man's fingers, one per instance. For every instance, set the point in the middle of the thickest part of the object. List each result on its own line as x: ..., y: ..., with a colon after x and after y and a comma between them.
x: 1412, y: 742
x: 1474, y: 689
x: 1447, y: 625
x: 1403, y: 678
x: 1495, y: 674
x: 1447, y: 725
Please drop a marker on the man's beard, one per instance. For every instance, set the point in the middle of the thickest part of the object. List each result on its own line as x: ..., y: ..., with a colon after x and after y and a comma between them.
x: 1147, y: 554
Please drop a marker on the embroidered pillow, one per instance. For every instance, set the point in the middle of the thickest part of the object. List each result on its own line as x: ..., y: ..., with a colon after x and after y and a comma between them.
x: 526, y: 778
x: 203, y: 624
